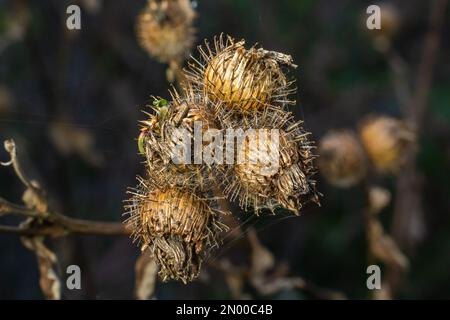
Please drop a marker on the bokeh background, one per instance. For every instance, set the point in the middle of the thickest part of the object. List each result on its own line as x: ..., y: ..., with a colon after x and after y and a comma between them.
x: 72, y: 99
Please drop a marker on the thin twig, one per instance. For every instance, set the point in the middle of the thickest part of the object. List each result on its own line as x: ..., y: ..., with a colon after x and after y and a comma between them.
x: 10, y: 147
x: 428, y: 61
x: 408, y: 207
x: 45, y: 222
x: 7, y: 207
x: 14, y: 230
x: 55, y: 224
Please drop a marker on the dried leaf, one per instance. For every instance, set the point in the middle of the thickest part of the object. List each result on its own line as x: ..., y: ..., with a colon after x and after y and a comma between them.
x: 235, y: 283
x: 282, y: 284
x: 379, y: 198
x: 384, y: 247
x: 235, y: 278
x: 146, y: 272
x: 47, y: 260
x: 262, y: 258
x: 34, y: 198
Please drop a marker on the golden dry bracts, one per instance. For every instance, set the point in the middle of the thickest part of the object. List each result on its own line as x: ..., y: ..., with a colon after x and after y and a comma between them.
x: 175, y: 226
x: 242, y: 79
x: 342, y: 160
x: 387, y: 141
x: 167, y: 138
x: 165, y: 31
x: 276, y: 172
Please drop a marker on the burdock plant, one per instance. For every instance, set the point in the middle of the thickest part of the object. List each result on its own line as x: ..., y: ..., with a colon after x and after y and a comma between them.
x: 165, y: 30
x: 175, y: 225
x: 172, y: 211
x: 342, y: 160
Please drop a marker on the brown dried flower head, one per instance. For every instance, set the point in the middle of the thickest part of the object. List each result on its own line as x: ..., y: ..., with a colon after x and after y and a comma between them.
x: 160, y: 137
x: 242, y: 79
x: 175, y: 226
x: 261, y: 185
x: 387, y: 142
x: 342, y: 160
x: 165, y: 31
x: 390, y: 23
x: 390, y: 19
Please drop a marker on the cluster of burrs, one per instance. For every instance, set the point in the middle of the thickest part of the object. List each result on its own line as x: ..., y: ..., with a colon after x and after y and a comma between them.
x: 382, y: 145
x: 229, y: 88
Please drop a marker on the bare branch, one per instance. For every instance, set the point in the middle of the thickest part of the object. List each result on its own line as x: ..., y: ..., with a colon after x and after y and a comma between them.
x: 429, y: 57
x: 10, y: 147
x: 79, y: 226
x: 45, y: 222
x: 407, y: 221
x: 7, y: 207
x: 14, y: 230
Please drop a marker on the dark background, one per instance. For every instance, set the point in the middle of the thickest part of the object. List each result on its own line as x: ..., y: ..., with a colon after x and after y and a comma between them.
x: 89, y: 86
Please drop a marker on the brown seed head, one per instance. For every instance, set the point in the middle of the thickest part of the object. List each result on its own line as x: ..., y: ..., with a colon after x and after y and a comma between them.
x: 163, y: 134
x: 164, y: 29
x: 342, y: 160
x: 239, y: 78
x: 387, y: 141
x: 275, y: 172
x: 175, y: 226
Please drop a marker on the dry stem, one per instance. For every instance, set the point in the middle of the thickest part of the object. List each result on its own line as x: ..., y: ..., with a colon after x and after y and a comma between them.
x: 45, y: 222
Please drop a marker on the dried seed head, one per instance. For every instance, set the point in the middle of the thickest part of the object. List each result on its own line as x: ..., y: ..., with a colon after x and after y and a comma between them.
x: 390, y: 23
x: 387, y: 141
x: 175, y: 226
x: 342, y: 160
x: 242, y: 79
x: 162, y: 136
x: 276, y: 172
x: 389, y: 20
x: 260, y: 154
x: 165, y: 31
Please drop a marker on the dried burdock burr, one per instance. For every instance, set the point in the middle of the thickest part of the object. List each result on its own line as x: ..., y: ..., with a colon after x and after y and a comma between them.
x: 387, y: 141
x: 239, y: 78
x: 276, y: 169
x: 175, y: 226
x: 165, y: 30
x: 342, y: 160
x: 167, y: 140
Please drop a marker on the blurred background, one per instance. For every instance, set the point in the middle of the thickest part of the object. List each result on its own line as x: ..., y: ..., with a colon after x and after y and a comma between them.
x: 71, y: 101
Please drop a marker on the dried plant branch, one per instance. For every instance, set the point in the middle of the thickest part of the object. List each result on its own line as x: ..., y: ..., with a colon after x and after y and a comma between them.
x: 14, y: 230
x: 45, y: 221
x: 273, y: 285
x: 407, y: 223
x: 10, y: 147
x: 41, y: 222
x: 63, y: 225
x: 258, y: 274
x: 7, y: 207
x: 47, y: 262
x: 428, y: 61
x: 381, y: 247
x: 57, y: 225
